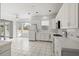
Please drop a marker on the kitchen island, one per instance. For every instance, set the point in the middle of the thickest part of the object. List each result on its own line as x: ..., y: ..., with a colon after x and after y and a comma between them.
x: 65, y: 46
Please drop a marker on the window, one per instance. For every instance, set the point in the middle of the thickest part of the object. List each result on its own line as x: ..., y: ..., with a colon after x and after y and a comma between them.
x: 6, y: 29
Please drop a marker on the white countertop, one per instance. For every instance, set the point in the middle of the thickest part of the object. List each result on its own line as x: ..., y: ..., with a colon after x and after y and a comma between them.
x: 68, y: 42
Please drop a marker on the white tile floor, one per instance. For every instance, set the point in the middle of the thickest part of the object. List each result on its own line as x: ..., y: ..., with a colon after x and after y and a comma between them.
x: 36, y: 48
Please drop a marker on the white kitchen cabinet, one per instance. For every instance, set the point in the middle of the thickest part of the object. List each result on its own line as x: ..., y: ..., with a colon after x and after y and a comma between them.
x: 68, y: 15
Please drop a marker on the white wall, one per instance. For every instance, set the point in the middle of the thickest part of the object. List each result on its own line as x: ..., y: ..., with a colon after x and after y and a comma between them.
x: 53, y: 23
x: 68, y: 15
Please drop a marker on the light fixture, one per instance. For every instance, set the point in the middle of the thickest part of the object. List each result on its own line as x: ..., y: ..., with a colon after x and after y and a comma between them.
x: 17, y: 16
x: 49, y: 10
x: 37, y: 12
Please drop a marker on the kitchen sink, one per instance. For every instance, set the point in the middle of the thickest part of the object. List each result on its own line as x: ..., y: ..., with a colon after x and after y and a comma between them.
x: 58, y: 35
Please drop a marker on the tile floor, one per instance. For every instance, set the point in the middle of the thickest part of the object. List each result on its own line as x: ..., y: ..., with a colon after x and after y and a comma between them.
x: 36, y: 48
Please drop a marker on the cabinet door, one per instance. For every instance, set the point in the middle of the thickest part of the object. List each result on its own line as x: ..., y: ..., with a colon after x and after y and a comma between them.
x: 73, y: 15
x: 57, y: 46
x: 43, y: 36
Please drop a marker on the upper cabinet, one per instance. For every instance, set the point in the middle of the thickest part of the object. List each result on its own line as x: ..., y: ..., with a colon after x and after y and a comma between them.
x: 68, y: 15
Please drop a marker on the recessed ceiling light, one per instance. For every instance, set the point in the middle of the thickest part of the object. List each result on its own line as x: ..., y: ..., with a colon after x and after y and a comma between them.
x: 29, y: 13
x: 49, y: 10
x: 37, y: 12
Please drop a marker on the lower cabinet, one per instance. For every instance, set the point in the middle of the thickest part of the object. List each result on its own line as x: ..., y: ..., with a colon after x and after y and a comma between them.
x: 66, y: 46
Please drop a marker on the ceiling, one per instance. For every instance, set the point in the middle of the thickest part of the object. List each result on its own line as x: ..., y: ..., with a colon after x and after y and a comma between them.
x: 27, y: 9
